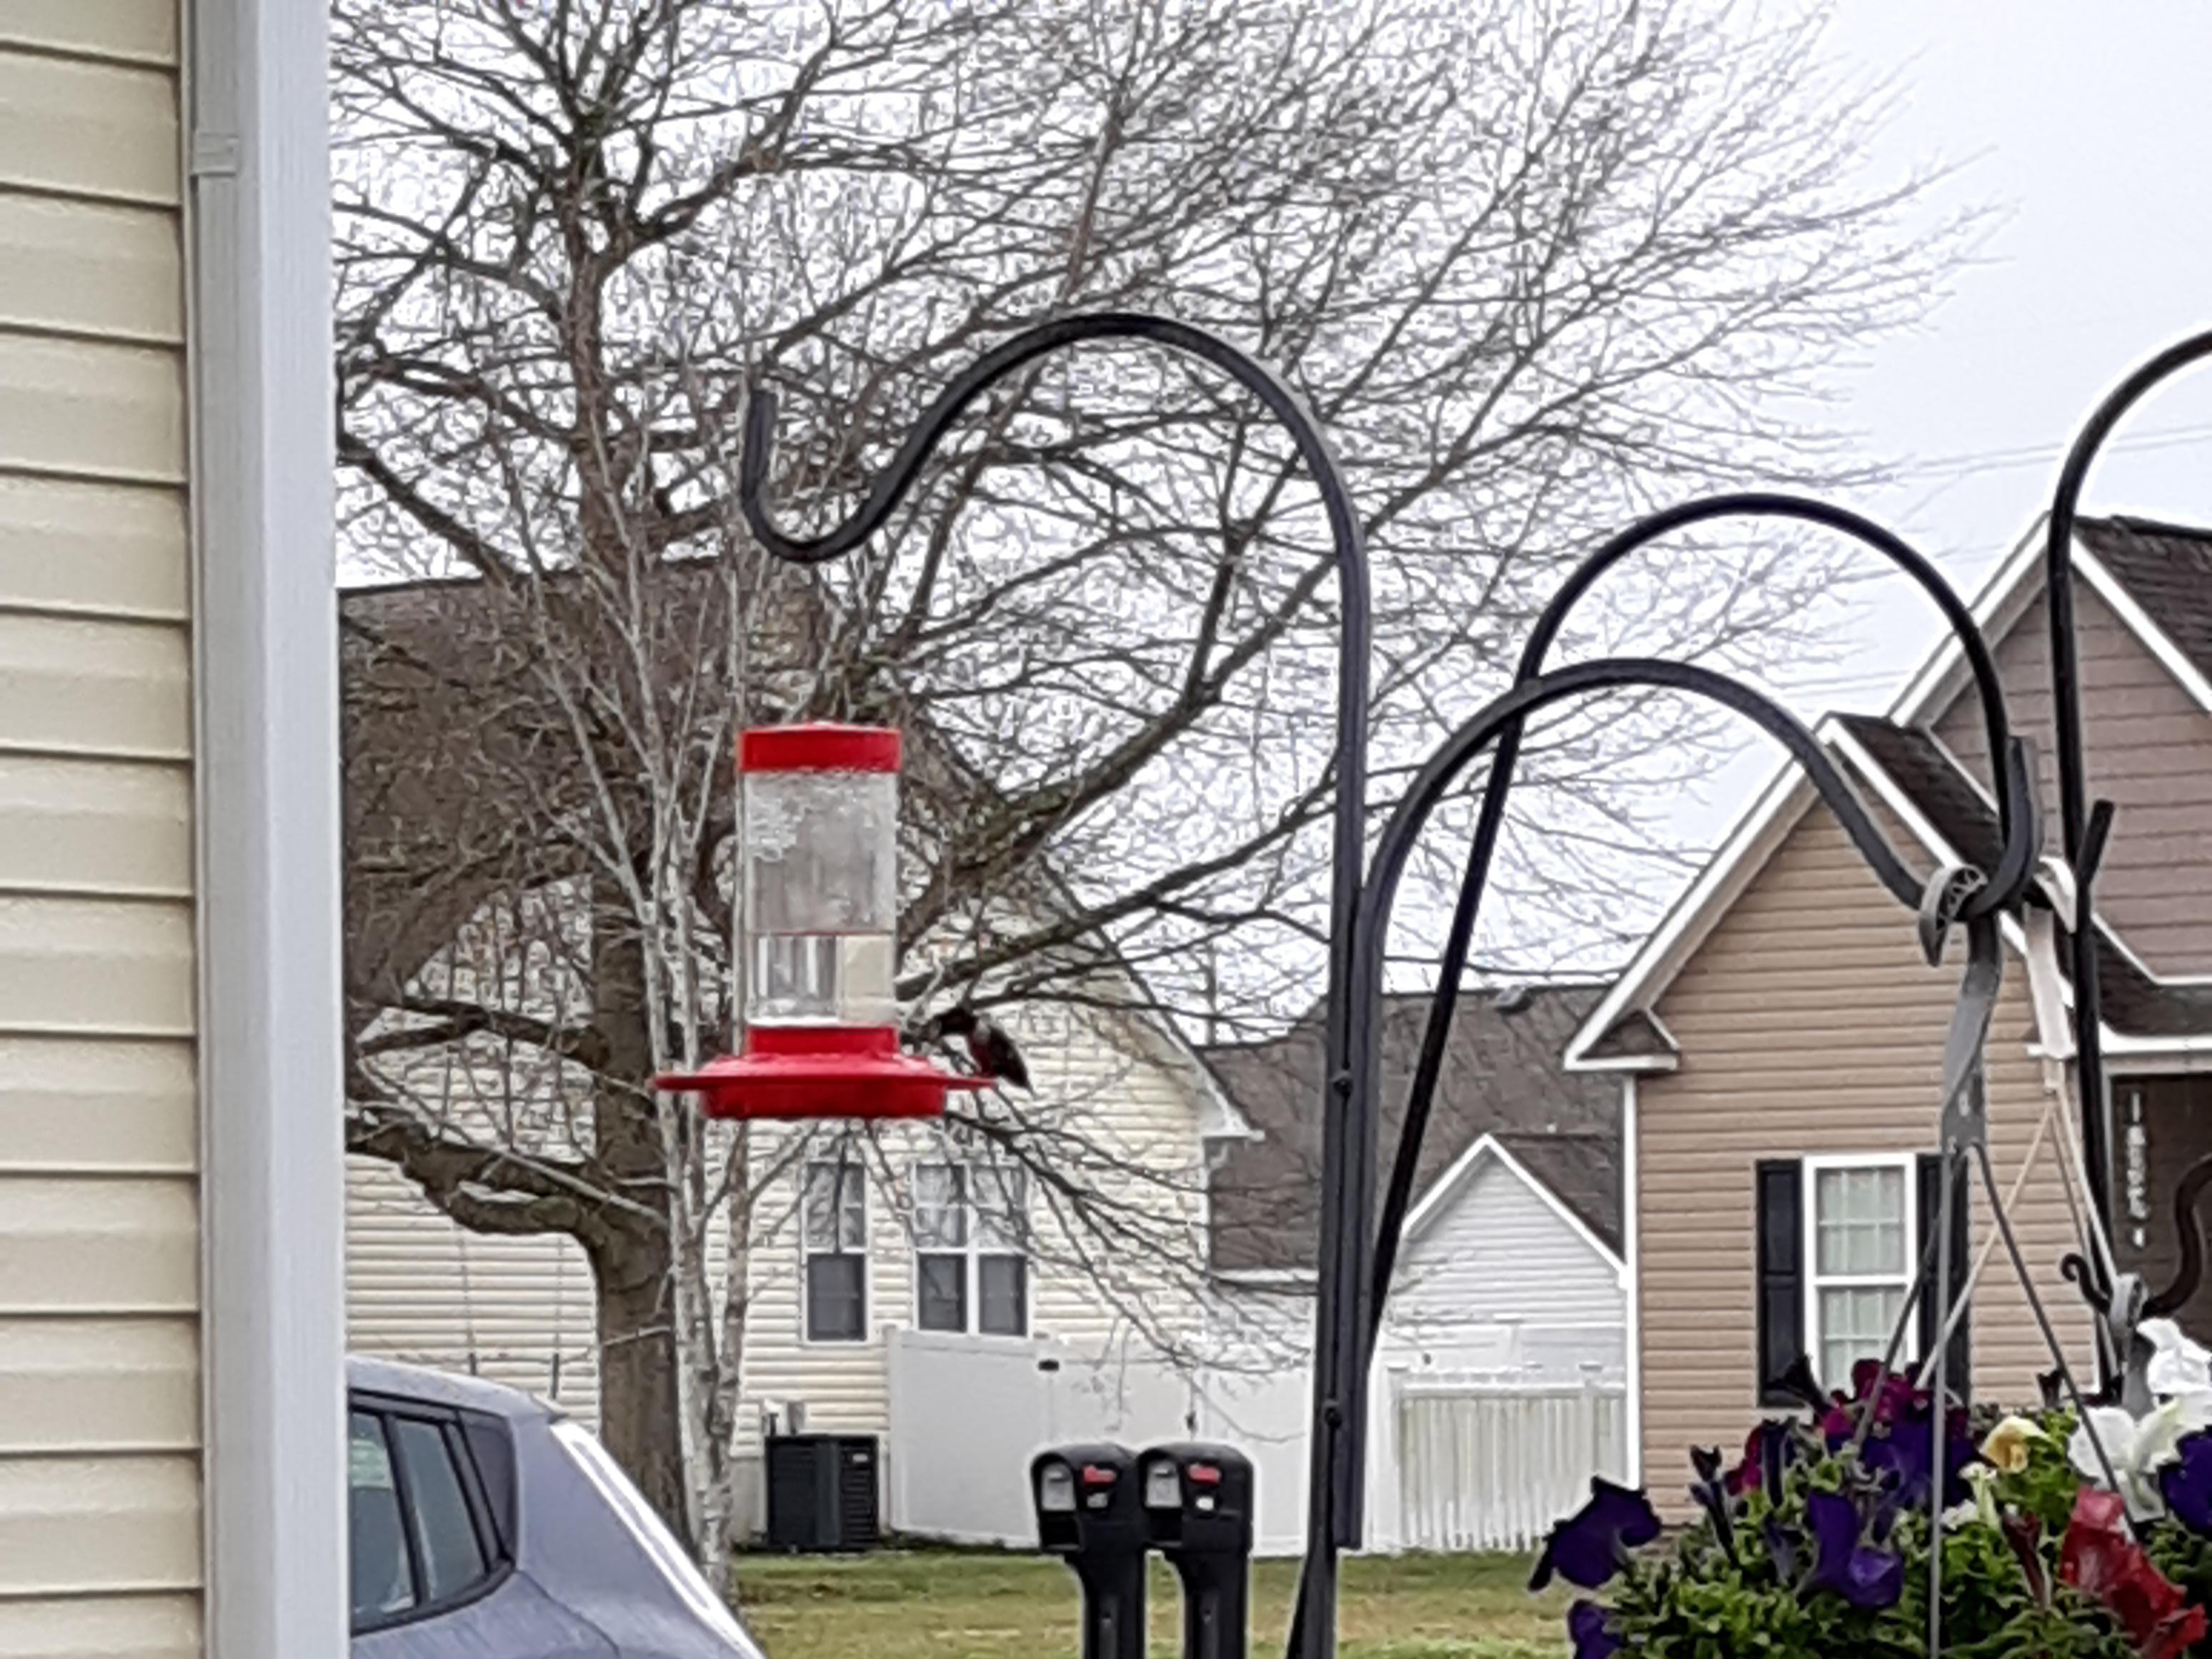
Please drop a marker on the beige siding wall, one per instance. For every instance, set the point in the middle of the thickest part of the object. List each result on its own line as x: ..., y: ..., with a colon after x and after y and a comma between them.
x: 2149, y: 748
x: 99, y: 1488
x: 421, y: 1290
x: 1137, y: 1103
x: 1809, y: 1024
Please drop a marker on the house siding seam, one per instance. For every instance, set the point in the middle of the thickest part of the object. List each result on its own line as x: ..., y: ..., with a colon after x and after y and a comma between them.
x: 99, y: 1420
x: 1809, y: 1024
x: 2149, y: 747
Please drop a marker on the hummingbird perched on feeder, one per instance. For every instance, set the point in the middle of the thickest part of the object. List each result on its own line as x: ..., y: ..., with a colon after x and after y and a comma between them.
x: 990, y: 1050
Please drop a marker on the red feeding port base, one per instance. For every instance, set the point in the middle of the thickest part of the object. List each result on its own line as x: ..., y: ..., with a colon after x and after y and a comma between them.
x: 800, y: 1072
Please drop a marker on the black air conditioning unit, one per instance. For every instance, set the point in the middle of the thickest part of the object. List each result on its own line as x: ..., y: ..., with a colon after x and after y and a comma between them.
x: 823, y: 1492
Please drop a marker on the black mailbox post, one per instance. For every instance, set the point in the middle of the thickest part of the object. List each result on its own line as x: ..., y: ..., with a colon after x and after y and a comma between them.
x: 1198, y: 1501
x: 1090, y: 1515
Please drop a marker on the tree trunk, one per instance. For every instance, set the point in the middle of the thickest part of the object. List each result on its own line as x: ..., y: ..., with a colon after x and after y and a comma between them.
x: 639, y: 1414
x: 637, y: 1366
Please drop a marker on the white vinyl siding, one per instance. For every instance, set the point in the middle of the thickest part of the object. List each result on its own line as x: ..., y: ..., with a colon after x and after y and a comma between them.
x: 99, y: 1386
x: 1499, y: 1277
x: 517, y: 1311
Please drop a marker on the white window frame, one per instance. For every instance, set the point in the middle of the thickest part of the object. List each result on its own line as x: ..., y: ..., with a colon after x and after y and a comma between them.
x: 858, y: 1172
x: 969, y: 1249
x: 1813, y: 1168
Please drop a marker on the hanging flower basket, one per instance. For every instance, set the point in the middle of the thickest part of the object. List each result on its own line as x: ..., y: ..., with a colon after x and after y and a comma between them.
x: 1815, y: 1545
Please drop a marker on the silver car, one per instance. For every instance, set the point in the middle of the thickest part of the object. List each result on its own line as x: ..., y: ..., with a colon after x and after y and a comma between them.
x: 487, y: 1525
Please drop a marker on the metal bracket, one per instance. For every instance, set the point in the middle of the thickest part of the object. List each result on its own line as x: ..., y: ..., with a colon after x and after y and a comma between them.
x: 1966, y: 1122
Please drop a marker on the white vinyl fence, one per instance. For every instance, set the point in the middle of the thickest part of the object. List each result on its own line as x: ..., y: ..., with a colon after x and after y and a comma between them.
x: 1488, y: 1465
x: 1455, y: 1462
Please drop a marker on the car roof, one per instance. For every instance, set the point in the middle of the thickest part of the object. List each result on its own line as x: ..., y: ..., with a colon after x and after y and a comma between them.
x: 389, y: 1377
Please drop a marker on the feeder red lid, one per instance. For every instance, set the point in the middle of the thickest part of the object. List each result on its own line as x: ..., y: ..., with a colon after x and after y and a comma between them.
x: 800, y: 1072
x: 818, y: 748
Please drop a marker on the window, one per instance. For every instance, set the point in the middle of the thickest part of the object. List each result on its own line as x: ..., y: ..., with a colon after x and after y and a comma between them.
x: 383, y: 1574
x: 421, y: 1535
x: 452, y: 1554
x: 835, y: 1225
x: 971, y: 1268
x: 1860, y: 1245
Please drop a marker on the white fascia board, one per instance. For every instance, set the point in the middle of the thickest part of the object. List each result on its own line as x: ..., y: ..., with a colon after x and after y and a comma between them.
x: 1774, y: 812
x: 1777, y: 808
x: 264, y: 631
x: 2138, y: 622
x: 1448, y: 1188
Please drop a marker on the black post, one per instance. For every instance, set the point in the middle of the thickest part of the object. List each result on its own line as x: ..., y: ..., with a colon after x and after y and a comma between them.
x: 1088, y: 1515
x: 2074, y: 807
x: 1338, y: 1445
x: 1199, y: 1502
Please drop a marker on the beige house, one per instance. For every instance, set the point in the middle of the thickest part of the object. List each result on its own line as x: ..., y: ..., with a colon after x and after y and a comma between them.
x: 171, y: 1378
x: 1778, y: 1038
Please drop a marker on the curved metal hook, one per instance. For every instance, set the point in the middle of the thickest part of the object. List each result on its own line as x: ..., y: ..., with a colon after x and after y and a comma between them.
x: 2009, y: 760
x: 1804, y: 510
x: 891, y: 484
x: 2075, y: 812
x: 1348, y: 1114
x: 2189, y: 1234
x: 1458, y: 751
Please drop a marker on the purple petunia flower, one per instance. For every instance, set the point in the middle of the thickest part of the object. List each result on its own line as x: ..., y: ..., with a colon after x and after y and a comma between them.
x: 1591, y: 1631
x: 1906, y: 1453
x: 1782, y: 1545
x: 1711, y: 1491
x: 1588, y: 1547
x: 1868, y: 1578
x: 2186, y: 1484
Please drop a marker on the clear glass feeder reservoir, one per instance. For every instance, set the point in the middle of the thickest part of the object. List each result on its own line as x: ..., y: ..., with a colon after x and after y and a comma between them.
x: 821, y: 867
x: 818, y: 861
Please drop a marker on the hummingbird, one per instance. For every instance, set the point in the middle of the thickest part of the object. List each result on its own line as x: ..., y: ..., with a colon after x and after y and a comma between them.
x: 990, y: 1050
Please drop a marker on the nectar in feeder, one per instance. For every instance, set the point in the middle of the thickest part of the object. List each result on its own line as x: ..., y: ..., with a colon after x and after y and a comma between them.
x: 818, y: 861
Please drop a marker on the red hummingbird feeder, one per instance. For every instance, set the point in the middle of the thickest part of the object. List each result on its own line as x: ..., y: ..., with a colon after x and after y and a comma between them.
x: 818, y: 861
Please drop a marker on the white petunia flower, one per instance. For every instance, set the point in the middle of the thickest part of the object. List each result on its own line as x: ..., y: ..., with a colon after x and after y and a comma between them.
x: 2140, y: 1449
x: 2178, y: 1365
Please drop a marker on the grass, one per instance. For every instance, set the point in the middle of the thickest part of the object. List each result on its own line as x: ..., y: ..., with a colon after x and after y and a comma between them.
x: 898, y: 1605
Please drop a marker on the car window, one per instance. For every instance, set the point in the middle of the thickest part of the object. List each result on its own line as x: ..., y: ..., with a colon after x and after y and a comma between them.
x: 445, y: 1531
x: 659, y: 1544
x: 383, y: 1578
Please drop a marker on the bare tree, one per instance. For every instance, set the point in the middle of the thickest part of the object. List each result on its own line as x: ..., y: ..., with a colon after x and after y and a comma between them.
x: 1537, y: 264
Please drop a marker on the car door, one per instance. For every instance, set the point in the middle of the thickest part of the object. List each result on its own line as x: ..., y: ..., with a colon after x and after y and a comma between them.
x: 433, y: 1544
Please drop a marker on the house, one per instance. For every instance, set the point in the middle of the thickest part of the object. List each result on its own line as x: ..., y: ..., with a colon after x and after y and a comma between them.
x: 1511, y: 1260
x: 172, y: 1416
x: 848, y: 1236
x: 853, y: 1245
x: 1776, y: 1041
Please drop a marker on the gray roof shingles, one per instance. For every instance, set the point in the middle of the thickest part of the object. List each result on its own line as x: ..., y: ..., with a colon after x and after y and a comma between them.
x: 1501, y: 1075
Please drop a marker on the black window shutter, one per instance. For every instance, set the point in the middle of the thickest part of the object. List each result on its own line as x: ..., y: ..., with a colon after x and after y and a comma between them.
x: 1781, y: 1275
x: 1931, y: 1197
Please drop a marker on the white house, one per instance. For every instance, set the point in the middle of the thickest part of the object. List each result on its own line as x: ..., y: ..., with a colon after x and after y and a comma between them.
x: 1512, y: 1262
x: 905, y: 1231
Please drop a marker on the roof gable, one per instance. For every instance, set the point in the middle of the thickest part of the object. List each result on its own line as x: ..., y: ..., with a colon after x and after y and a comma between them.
x: 2158, y: 560
x: 1502, y: 1078
x: 1578, y: 1177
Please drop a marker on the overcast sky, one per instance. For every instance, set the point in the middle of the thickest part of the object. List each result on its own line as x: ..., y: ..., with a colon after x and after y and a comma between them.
x: 2087, y: 128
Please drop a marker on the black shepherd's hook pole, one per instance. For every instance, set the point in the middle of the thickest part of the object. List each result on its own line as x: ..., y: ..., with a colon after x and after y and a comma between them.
x: 2084, y: 827
x: 2009, y: 778
x: 1347, y: 1110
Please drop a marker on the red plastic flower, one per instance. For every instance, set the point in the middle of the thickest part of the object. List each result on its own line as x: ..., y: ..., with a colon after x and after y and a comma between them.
x: 2101, y: 1560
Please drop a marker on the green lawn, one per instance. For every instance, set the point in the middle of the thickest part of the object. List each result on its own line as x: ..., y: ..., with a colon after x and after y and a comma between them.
x: 955, y: 1606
